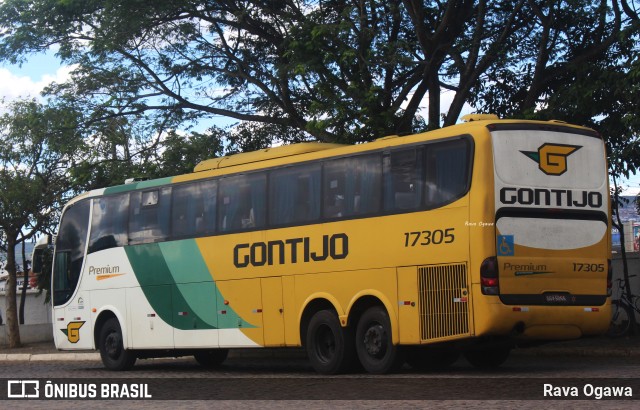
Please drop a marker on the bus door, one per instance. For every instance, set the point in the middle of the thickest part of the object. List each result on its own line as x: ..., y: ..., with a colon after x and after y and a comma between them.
x: 272, y: 311
x: 551, y: 201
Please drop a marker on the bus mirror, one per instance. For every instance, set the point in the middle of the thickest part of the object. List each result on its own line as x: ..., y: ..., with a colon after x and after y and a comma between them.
x: 36, y: 262
x: 38, y: 253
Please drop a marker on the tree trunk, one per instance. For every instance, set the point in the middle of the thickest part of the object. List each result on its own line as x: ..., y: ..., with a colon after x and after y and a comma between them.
x: 434, y: 100
x: 12, y: 311
x: 25, y: 283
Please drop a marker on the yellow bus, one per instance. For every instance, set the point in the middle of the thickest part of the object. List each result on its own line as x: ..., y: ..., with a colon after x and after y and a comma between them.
x: 471, y: 239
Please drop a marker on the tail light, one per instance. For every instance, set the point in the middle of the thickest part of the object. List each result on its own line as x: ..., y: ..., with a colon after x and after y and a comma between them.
x: 609, y: 277
x: 489, y: 276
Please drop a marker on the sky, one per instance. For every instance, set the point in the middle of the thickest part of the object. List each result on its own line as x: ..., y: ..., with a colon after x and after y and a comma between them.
x: 27, y: 80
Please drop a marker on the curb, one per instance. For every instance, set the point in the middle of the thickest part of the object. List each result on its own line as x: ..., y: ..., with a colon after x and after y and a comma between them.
x: 296, y: 354
x: 45, y: 357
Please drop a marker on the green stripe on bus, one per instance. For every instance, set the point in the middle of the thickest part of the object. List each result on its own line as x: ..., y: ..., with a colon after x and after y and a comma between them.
x: 195, y: 299
x: 195, y: 283
x: 138, y: 185
x: 153, y: 276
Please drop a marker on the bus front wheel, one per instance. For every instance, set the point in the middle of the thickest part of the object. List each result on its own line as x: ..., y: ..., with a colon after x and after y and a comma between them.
x: 329, y: 346
x: 374, y: 342
x: 112, y: 351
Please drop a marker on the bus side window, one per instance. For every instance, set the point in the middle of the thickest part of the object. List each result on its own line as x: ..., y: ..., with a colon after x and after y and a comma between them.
x: 334, y: 189
x: 242, y: 202
x: 404, y: 181
x: 352, y: 186
x: 447, y: 171
x: 294, y: 194
x: 149, y: 218
x: 109, y: 224
x: 206, y: 221
x: 194, y: 209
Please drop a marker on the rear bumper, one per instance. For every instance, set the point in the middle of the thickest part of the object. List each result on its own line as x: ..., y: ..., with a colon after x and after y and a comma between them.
x: 539, y: 322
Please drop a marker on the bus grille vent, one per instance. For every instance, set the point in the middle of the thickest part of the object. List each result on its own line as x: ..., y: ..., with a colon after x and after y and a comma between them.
x: 444, y: 301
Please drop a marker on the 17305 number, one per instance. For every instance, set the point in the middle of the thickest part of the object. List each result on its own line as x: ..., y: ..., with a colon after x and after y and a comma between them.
x: 588, y: 267
x: 425, y: 238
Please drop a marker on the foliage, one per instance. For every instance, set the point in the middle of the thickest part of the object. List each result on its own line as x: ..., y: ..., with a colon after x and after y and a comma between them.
x: 124, y: 151
x: 580, y: 65
x: 37, y: 147
x: 179, y: 153
x: 330, y: 70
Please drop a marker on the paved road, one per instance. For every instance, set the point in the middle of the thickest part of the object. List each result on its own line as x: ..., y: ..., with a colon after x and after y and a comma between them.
x: 259, y: 383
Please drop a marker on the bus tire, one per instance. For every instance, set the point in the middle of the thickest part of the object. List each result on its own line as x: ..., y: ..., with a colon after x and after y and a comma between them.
x: 429, y: 359
x: 329, y: 346
x: 112, y: 351
x: 374, y: 342
x: 211, y: 358
x: 487, y: 358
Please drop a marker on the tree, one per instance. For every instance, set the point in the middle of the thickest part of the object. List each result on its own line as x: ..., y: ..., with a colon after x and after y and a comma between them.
x: 33, y: 163
x: 580, y: 65
x: 126, y: 151
x: 326, y: 70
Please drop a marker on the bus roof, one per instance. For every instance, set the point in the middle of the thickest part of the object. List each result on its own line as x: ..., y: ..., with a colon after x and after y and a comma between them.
x: 301, y: 152
x: 263, y: 154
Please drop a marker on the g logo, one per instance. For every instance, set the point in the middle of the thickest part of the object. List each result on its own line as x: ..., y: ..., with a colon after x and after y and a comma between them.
x: 552, y: 158
x: 73, y: 331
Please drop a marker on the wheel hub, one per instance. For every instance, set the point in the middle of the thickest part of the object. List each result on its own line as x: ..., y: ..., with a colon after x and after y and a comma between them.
x: 112, y: 345
x: 326, y: 344
x: 374, y: 340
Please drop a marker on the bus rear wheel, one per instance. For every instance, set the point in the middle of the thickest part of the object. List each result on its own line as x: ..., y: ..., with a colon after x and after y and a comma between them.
x: 329, y: 346
x: 112, y: 351
x: 374, y: 342
x: 211, y: 358
x: 487, y: 358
